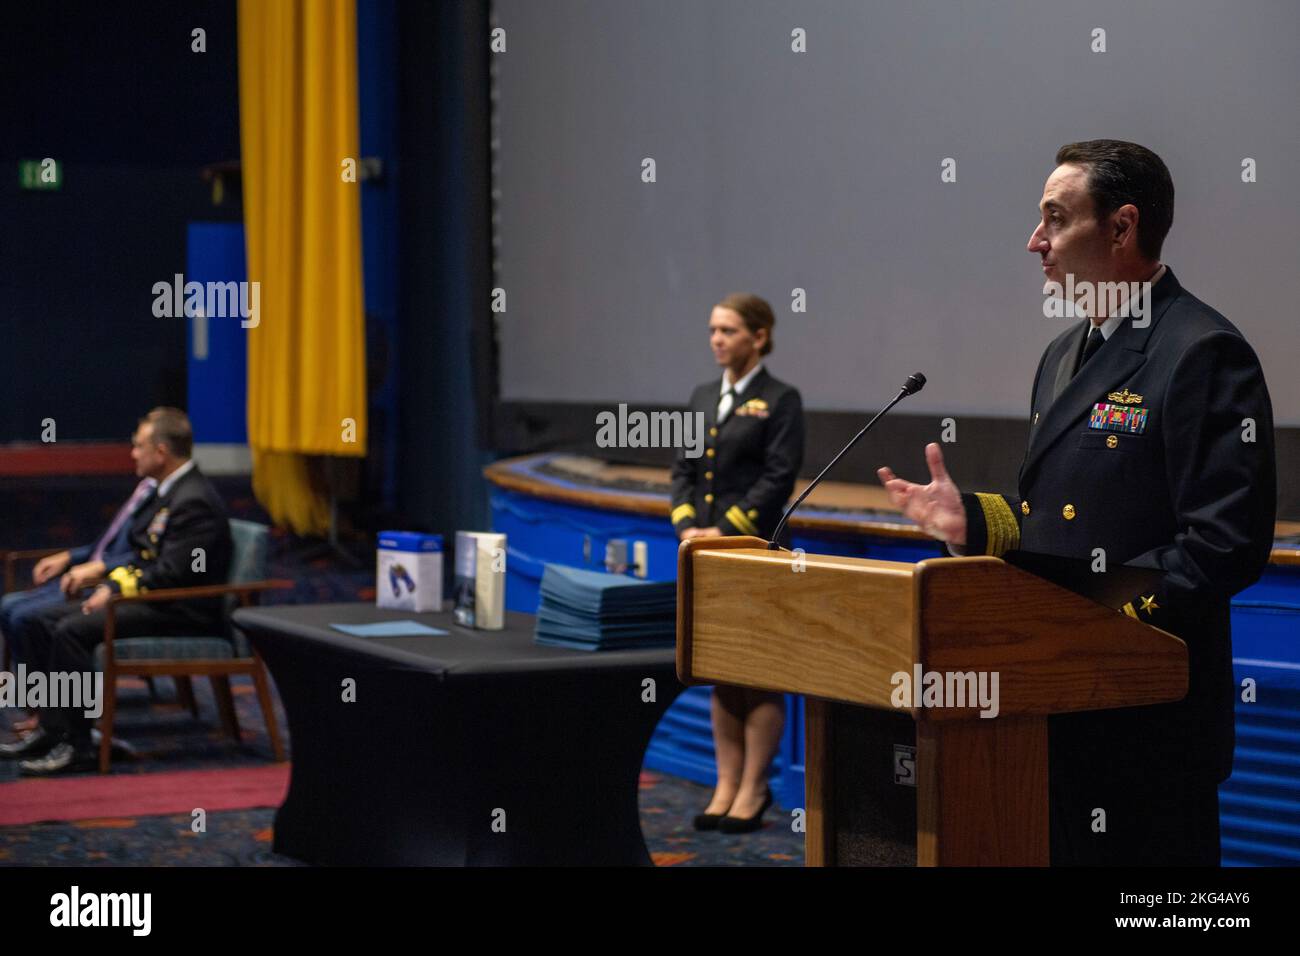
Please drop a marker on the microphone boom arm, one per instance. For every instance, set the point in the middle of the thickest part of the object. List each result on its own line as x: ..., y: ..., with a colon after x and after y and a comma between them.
x: 914, y: 384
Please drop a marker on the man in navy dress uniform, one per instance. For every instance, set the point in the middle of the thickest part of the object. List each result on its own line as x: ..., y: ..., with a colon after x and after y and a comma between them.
x: 179, y: 537
x: 1151, y: 438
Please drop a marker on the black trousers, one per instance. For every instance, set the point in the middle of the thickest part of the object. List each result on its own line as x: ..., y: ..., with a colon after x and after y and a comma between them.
x: 64, y: 640
x: 1115, y: 800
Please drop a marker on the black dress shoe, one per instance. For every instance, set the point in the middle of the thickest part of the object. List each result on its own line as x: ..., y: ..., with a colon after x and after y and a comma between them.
x: 708, y: 821
x: 120, y: 748
x: 730, y: 824
x: 63, y: 757
x: 35, y: 744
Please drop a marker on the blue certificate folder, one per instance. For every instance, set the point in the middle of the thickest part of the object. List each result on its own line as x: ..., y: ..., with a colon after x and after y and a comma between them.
x: 592, y: 610
x: 388, y: 629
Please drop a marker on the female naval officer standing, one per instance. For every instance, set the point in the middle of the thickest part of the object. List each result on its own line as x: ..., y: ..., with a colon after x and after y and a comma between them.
x: 740, y: 485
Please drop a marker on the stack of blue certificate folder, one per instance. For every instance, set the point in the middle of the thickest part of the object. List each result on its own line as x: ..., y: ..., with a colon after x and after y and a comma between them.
x: 593, y: 611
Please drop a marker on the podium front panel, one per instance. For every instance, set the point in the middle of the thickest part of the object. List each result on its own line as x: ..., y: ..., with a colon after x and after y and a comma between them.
x: 874, y: 786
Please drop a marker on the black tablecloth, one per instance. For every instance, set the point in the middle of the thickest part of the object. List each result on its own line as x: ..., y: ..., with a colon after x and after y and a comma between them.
x: 453, y: 737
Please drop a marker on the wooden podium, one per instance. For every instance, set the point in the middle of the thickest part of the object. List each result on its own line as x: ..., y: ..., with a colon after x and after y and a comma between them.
x: 839, y: 630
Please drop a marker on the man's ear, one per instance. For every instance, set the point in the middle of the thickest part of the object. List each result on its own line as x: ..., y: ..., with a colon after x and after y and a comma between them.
x: 1124, y: 225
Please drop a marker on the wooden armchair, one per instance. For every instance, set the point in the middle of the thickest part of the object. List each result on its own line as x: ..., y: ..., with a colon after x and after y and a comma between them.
x: 217, y: 657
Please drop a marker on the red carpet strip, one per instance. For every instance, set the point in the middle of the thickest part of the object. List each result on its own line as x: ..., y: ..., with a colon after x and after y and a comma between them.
x: 145, y: 794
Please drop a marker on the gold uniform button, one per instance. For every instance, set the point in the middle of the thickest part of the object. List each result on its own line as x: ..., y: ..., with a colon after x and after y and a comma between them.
x: 1024, y: 507
x: 1112, y: 441
x: 713, y: 433
x: 709, y: 498
x: 708, y: 475
x: 753, y: 512
x: 709, y: 452
x: 1068, y: 511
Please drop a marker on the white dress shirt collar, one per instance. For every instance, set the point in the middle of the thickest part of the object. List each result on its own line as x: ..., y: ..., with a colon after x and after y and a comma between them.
x: 175, y: 476
x: 743, y: 383
x: 1111, y: 324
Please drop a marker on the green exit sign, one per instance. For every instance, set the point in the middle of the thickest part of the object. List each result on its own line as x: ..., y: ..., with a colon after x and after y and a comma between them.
x: 40, y: 174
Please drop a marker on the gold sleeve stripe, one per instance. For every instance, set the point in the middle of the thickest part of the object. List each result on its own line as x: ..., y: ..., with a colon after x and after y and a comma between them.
x: 1003, y: 531
x: 1129, y: 610
x: 125, y: 581
x: 683, y: 511
x: 741, y: 520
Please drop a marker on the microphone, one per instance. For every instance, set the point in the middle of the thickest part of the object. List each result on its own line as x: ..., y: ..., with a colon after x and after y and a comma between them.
x: 915, y: 382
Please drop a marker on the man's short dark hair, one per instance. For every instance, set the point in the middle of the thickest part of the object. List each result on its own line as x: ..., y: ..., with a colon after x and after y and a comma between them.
x: 1120, y: 173
x: 171, y: 427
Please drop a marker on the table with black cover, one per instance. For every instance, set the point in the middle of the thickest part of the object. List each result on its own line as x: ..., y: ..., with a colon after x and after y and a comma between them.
x: 451, y: 738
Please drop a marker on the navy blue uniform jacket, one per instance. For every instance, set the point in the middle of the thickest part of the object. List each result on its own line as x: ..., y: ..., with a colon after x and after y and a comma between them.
x: 744, y: 478
x: 1159, y: 451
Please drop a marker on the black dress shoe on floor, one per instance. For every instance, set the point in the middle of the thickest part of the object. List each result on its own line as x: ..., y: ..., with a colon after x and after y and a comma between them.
x: 120, y: 748
x: 708, y: 821
x: 35, y: 744
x: 63, y: 757
x: 730, y: 824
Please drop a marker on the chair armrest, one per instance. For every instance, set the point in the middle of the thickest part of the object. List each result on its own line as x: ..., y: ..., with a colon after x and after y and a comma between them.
x: 29, y: 554
x: 245, y: 591
x: 11, y: 558
x: 203, y: 591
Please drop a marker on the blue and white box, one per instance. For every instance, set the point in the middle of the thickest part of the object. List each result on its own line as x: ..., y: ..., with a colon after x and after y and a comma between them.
x: 408, y: 575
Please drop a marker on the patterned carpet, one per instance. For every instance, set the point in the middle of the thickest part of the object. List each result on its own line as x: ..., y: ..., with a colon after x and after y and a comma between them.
x: 243, y: 837
x: 168, y: 738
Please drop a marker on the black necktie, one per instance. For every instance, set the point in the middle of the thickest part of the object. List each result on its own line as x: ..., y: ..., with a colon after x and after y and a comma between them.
x: 1095, y: 341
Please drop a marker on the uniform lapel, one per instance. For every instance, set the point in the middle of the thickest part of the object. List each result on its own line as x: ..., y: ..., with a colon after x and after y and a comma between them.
x: 148, y: 508
x: 711, y: 401
x: 1122, y: 355
x: 1065, y: 365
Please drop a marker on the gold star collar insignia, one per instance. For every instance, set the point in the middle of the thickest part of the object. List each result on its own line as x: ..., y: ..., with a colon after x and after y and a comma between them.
x: 1149, y: 604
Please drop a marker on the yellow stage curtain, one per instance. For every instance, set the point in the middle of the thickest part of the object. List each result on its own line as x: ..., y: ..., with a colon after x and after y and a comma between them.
x: 302, y: 221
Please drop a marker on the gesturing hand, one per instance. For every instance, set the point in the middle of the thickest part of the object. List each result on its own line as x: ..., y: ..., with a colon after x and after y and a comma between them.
x: 935, y: 507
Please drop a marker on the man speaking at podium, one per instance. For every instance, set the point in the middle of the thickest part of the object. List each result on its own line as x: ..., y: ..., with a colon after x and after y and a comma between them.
x: 1151, y: 438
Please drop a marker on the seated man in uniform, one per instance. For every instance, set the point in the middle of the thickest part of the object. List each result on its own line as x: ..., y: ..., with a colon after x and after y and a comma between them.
x: 180, y: 537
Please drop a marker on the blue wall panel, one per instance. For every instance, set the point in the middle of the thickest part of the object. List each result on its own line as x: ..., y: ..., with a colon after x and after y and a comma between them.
x: 1259, y: 805
x: 216, y: 348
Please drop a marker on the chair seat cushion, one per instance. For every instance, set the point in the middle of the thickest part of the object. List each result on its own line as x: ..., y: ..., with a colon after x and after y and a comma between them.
x: 167, y: 648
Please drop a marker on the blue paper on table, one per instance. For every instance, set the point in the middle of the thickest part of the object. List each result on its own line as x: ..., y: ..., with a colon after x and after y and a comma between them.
x: 550, y: 614
x: 597, y: 592
x: 592, y: 610
x: 388, y: 629
x: 589, y: 646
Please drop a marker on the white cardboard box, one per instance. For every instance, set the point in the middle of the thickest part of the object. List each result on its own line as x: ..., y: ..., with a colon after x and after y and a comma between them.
x: 408, y: 573
x: 481, y: 580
